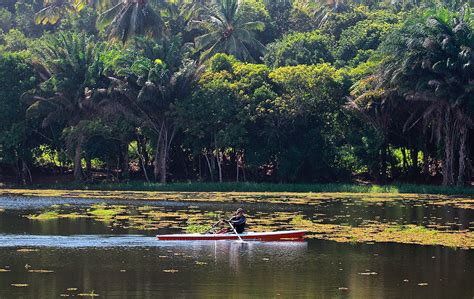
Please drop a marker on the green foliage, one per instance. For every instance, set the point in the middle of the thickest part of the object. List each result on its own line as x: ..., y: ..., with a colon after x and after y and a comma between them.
x: 127, y: 19
x: 300, y: 48
x: 310, y: 95
x: 228, y: 30
x: 335, y: 23
x: 14, y: 41
x: 25, y: 17
x: 364, y: 36
x: 270, y: 117
x: 6, y: 19
x: 346, y: 88
x: 222, y: 62
x: 16, y: 77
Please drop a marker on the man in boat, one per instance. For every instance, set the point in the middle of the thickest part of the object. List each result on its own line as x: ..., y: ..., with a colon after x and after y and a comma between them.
x: 238, y: 221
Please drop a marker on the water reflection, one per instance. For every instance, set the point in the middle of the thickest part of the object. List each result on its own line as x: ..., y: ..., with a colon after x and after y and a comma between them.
x: 122, y: 262
x: 222, y: 269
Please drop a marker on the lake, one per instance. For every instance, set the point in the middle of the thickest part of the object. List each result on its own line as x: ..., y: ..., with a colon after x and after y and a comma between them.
x: 86, y: 247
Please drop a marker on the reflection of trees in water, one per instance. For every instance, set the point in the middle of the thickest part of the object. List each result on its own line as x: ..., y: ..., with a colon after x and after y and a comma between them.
x: 237, y: 255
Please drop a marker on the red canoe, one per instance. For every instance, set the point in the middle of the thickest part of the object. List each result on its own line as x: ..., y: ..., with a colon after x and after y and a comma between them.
x: 249, y: 236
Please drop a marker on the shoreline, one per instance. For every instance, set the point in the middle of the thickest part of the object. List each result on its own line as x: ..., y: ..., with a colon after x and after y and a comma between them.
x: 255, y: 187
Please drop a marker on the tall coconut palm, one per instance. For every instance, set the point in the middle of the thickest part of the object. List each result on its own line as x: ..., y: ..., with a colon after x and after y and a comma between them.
x: 53, y: 10
x: 227, y: 31
x: 69, y: 66
x: 328, y: 8
x: 129, y: 18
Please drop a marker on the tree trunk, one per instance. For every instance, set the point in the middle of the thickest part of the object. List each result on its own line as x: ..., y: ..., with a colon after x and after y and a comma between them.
x: 156, y: 163
x: 211, y: 170
x: 17, y: 170
x: 25, y: 173
x: 163, y: 161
x: 141, y: 159
x: 143, y: 151
x: 414, y: 161
x: 237, y: 168
x: 462, y: 157
x: 219, y: 163
x: 199, y: 168
x: 77, y: 160
x: 448, y: 176
x: 426, y: 162
x: 88, y: 168
x: 405, y: 161
x: 161, y: 158
x: 125, y: 161
x: 383, y: 158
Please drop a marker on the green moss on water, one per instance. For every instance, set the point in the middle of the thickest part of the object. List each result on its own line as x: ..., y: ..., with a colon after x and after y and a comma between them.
x: 105, y: 212
x: 193, y: 219
x: 262, y: 187
x: 48, y: 215
x: 197, y: 228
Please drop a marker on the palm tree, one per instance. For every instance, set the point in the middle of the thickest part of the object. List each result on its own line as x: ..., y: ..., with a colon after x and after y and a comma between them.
x: 227, y: 31
x: 430, y: 61
x: 69, y: 66
x: 123, y: 19
x: 129, y: 18
x: 149, y: 97
x: 54, y: 10
x: 328, y: 8
x: 373, y: 105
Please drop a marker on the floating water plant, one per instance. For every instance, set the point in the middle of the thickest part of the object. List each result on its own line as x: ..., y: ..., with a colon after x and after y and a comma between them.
x: 48, y: 215
x: 91, y: 294
x: 40, y: 271
x: 196, y: 228
x: 27, y: 250
x: 105, y: 212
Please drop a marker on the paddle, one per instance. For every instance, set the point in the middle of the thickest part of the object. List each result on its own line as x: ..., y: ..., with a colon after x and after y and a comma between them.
x: 212, y: 227
x: 216, y: 224
x: 233, y: 228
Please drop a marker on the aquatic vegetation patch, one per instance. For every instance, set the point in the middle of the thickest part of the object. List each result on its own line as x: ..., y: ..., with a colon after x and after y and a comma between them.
x: 48, y: 215
x: 197, y: 228
x: 104, y: 212
x: 27, y: 250
x: 40, y: 271
x: 55, y: 214
x: 307, y: 198
x: 340, y: 225
x: 387, y: 232
x: 91, y: 294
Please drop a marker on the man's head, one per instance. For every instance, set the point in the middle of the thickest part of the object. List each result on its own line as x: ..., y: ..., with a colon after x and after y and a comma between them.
x: 240, y: 212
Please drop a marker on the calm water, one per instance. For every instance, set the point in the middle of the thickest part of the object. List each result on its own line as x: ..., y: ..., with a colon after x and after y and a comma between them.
x: 113, y: 261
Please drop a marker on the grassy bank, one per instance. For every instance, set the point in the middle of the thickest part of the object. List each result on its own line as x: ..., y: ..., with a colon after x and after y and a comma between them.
x: 261, y: 187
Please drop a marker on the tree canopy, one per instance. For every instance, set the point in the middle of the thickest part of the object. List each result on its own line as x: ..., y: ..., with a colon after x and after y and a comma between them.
x: 216, y: 90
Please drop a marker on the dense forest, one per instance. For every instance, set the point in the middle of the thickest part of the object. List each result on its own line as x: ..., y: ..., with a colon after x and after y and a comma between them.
x: 237, y: 90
